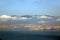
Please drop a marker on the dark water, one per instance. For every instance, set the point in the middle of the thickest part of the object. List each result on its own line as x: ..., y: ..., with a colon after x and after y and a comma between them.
x: 17, y: 35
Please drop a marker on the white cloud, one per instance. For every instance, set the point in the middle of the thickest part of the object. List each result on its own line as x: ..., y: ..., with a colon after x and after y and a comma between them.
x: 58, y: 20
x: 23, y: 18
x: 45, y: 17
x: 5, y: 16
x: 14, y: 18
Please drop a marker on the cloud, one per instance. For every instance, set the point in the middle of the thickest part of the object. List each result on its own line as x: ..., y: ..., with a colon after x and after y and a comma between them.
x: 58, y: 19
x: 14, y: 18
x: 5, y: 16
x: 45, y: 17
x: 24, y: 18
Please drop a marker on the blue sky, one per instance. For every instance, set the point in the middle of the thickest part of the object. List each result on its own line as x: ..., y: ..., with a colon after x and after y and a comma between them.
x: 30, y: 7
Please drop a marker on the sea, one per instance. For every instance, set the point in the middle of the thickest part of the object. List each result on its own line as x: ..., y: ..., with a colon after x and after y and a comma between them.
x: 25, y: 35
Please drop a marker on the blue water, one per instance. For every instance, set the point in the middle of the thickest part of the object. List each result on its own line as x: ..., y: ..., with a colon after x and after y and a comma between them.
x: 18, y: 35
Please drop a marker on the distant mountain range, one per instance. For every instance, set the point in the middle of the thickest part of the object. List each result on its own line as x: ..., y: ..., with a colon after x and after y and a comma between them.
x: 30, y: 19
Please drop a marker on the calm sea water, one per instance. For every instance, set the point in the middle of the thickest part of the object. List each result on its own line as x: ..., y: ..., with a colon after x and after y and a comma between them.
x: 17, y: 35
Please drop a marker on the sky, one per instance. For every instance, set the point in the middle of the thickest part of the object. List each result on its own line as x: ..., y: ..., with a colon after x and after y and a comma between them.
x: 30, y: 7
